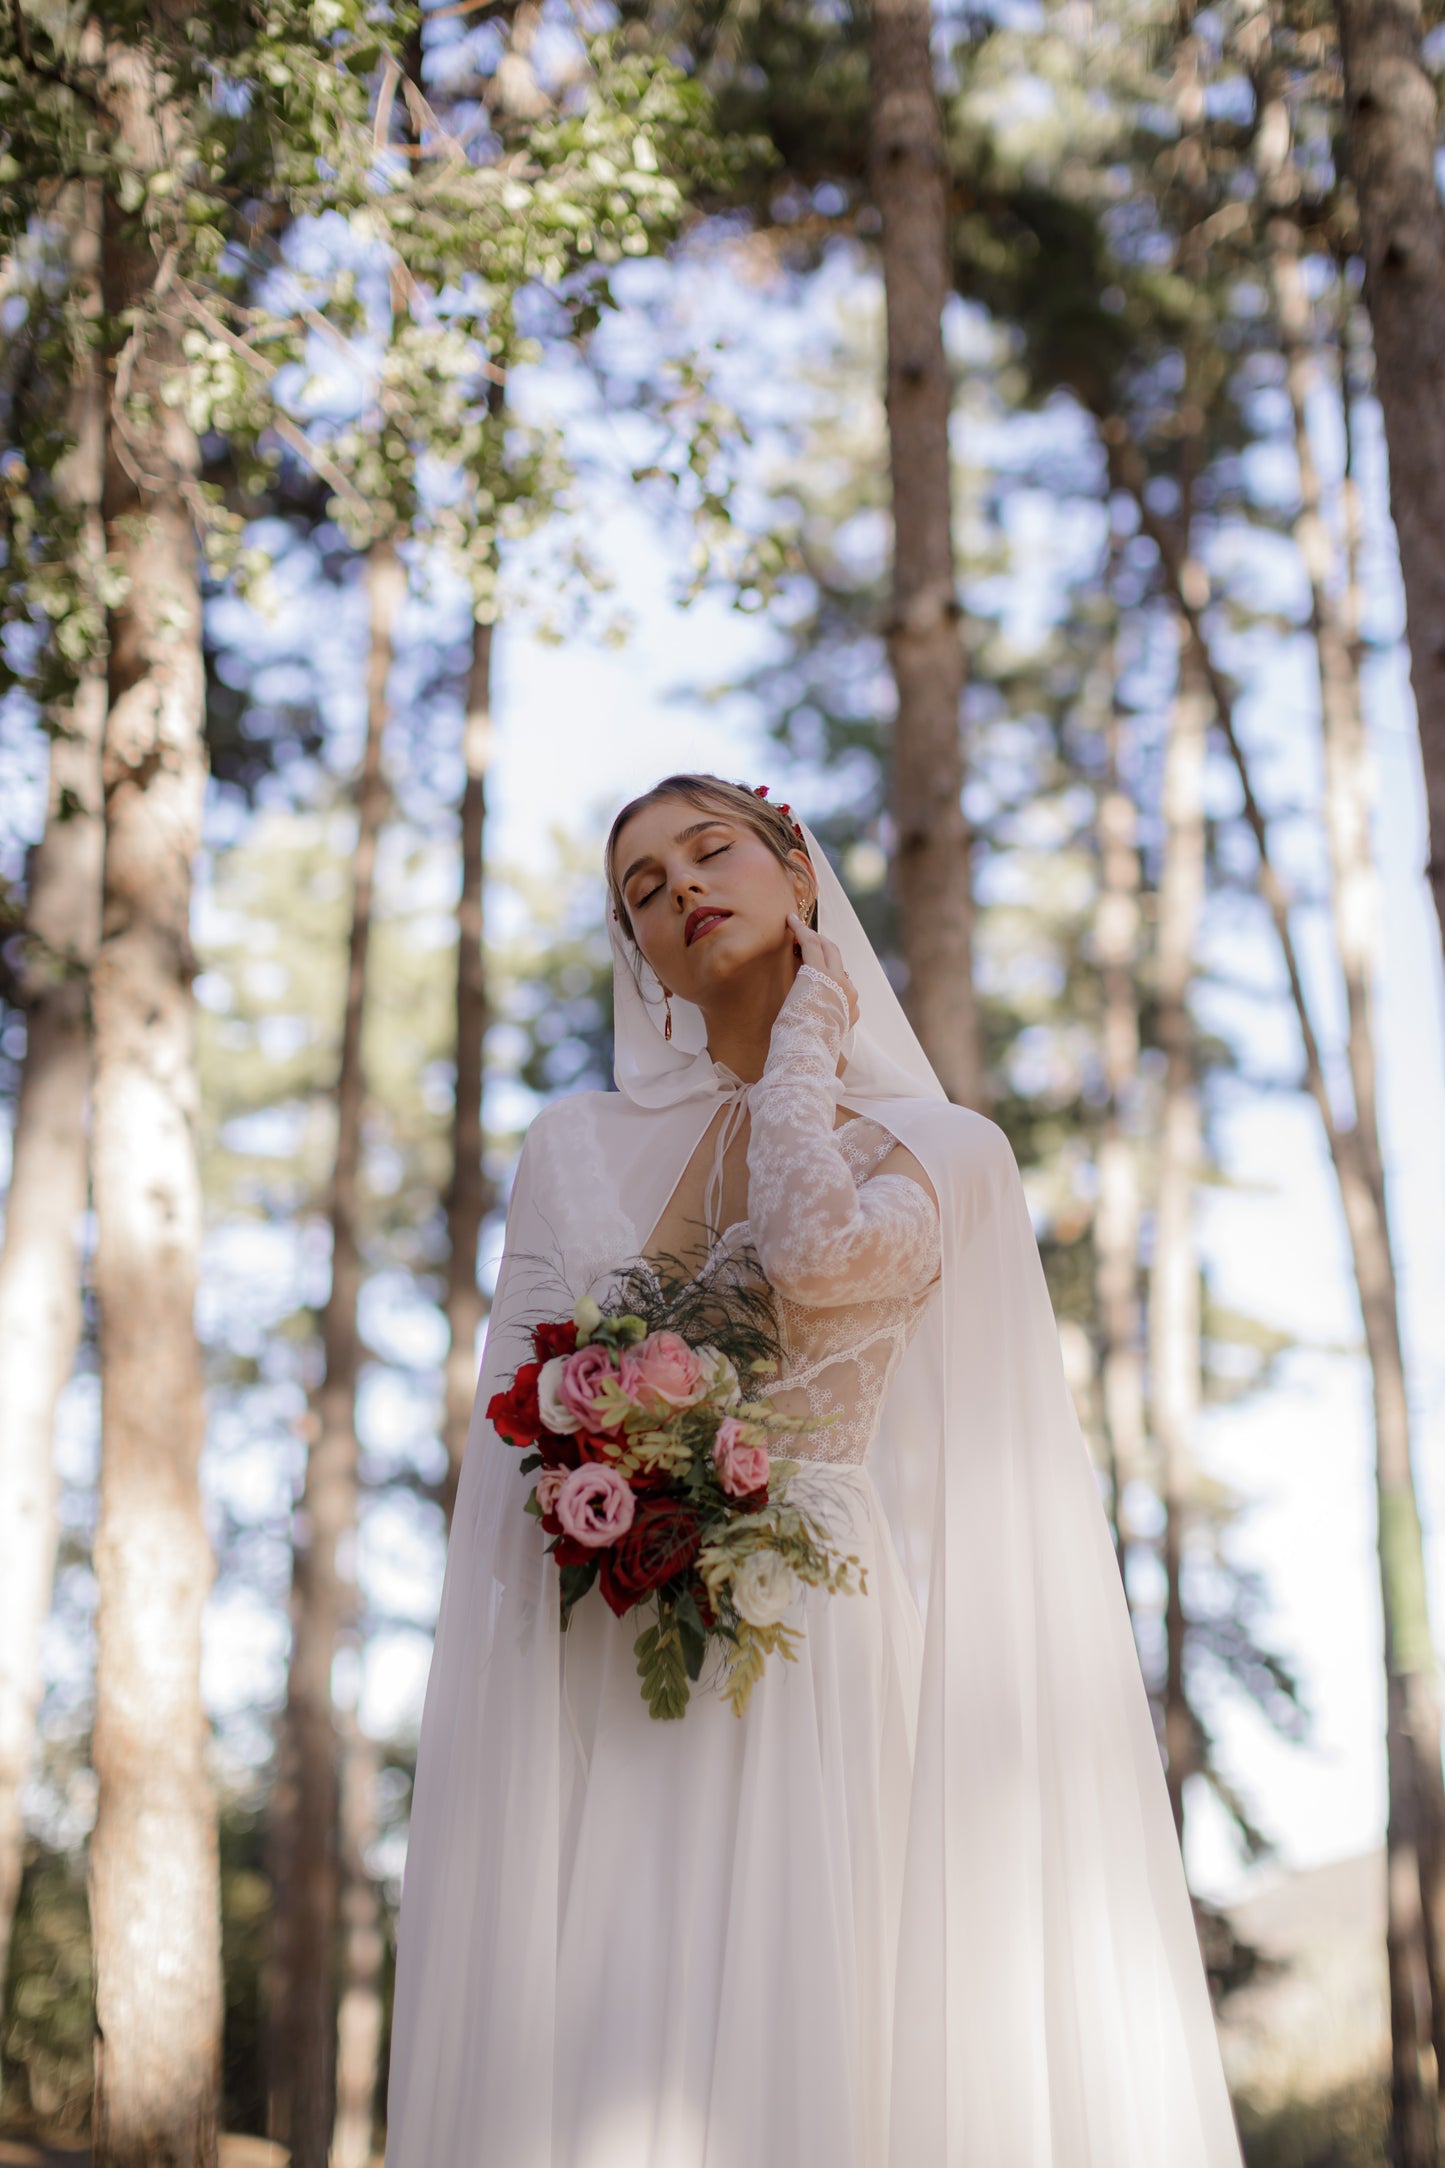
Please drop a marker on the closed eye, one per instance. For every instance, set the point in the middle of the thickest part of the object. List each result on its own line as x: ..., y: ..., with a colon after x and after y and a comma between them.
x: 653, y: 891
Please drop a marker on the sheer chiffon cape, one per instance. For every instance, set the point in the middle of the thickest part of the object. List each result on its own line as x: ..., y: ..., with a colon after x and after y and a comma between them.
x: 1050, y: 2007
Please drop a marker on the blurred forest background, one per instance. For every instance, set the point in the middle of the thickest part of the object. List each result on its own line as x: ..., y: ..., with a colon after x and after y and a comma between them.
x: 1016, y: 433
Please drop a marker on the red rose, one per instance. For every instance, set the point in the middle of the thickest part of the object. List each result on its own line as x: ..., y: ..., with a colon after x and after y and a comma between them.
x: 513, y: 1413
x: 554, y: 1336
x: 556, y: 1451
x: 593, y: 1446
x: 652, y: 1479
x: 664, y: 1539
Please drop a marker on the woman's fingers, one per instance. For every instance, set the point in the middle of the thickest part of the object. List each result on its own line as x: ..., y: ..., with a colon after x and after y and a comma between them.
x: 826, y: 956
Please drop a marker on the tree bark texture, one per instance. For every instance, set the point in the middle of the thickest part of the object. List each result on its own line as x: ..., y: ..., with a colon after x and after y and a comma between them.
x: 468, y: 1197
x: 925, y: 650
x: 41, y: 1261
x: 1174, y: 1308
x: 1117, y: 1217
x: 306, y: 1805
x: 1416, y: 1815
x: 1392, y: 129
x: 154, y: 1885
x: 359, y: 2016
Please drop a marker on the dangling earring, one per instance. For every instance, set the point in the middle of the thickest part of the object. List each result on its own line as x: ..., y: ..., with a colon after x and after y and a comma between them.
x: 667, y: 1004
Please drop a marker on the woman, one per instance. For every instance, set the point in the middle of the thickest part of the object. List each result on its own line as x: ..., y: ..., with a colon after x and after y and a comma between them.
x: 922, y: 1906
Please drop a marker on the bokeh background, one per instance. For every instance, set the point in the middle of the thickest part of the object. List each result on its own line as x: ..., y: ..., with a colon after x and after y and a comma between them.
x: 509, y: 388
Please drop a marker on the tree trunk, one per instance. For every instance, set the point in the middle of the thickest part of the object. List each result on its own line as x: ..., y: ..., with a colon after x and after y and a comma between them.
x: 1416, y: 1825
x: 932, y: 863
x: 1392, y: 130
x: 468, y: 1197
x: 1116, y: 1220
x: 1174, y: 1316
x: 359, y: 2018
x: 154, y: 1883
x: 306, y: 1807
x: 40, y: 1263
x: 1416, y: 1935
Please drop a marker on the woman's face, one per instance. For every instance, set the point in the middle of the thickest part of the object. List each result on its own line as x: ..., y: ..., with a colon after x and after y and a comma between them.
x: 706, y: 897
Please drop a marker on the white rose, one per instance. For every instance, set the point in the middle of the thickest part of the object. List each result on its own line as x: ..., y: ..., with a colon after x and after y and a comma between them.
x: 763, y: 1587
x: 554, y: 1415
x: 720, y: 1376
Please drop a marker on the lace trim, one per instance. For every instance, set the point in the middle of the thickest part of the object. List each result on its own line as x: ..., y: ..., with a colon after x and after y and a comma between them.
x: 851, y: 1254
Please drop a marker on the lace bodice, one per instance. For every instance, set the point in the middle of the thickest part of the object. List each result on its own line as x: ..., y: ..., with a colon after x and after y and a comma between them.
x: 851, y: 1255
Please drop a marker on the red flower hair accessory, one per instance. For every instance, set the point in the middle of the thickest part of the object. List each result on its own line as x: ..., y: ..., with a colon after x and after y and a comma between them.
x: 760, y: 790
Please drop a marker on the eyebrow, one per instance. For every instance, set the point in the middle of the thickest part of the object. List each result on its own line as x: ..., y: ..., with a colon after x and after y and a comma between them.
x: 684, y: 835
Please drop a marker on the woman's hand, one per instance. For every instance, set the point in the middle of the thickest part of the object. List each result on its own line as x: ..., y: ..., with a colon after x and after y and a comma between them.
x: 825, y: 956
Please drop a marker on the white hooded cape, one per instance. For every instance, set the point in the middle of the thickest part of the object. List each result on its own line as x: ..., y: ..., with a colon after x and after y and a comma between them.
x: 1051, y: 2007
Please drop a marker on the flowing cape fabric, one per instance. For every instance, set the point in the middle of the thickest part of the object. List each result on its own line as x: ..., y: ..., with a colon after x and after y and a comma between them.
x: 1051, y: 2008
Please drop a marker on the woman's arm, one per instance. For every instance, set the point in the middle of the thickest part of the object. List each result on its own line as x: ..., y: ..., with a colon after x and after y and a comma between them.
x: 821, y: 1238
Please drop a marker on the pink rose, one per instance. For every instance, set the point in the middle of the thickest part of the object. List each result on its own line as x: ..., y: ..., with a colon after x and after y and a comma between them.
x: 595, y: 1505
x: 741, y: 1466
x: 549, y: 1483
x: 580, y: 1380
x: 662, y: 1372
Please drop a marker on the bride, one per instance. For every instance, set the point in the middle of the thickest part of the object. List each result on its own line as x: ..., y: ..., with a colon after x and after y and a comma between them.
x: 921, y: 1906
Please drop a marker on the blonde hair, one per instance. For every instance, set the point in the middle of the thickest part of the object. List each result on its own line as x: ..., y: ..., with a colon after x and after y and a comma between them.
x: 709, y: 794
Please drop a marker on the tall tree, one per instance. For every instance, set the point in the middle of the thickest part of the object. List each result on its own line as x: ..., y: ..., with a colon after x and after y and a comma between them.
x: 1392, y: 140
x: 359, y: 2011
x: 1415, y: 1913
x: 909, y: 179
x: 1175, y: 1362
x: 40, y: 1264
x: 153, y: 1876
x: 1416, y: 1814
x: 306, y: 1806
x: 1117, y: 1218
x: 468, y: 1193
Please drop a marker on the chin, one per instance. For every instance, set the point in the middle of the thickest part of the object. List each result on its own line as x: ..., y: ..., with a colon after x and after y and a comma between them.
x: 734, y: 960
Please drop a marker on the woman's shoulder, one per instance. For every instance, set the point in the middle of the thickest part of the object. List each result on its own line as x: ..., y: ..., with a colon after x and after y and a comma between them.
x: 573, y: 1114
x: 936, y: 1128
x: 557, y: 1113
x: 965, y: 1156
x: 585, y: 1115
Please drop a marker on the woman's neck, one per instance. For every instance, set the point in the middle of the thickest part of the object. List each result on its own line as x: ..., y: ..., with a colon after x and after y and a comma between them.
x: 740, y: 1021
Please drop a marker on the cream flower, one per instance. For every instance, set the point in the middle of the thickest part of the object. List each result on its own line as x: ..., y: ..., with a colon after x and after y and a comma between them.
x: 556, y: 1415
x: 763, y: 1587
x: 587, y: 1315
x: 720, y: 1376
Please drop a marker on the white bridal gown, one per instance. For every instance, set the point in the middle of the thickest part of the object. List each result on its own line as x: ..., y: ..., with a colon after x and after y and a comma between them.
x: 731, y: 1887
x: 922, y: 1906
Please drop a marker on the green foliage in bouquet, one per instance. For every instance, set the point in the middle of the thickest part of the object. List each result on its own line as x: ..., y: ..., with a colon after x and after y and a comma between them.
x: 727, y: 1304
x: 647, y: 1423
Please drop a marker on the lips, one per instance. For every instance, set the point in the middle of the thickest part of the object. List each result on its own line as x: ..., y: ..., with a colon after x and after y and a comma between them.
x: 705, y: 915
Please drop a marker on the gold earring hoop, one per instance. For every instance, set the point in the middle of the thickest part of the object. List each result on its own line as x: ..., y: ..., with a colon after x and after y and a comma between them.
x: 667, y: 1004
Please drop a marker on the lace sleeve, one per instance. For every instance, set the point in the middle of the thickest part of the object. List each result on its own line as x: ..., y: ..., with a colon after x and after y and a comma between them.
x: 820, y: 1237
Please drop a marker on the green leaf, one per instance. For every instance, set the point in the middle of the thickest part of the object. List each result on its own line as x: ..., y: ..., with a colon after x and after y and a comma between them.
x: 576, y: 1580
x: 662, y: 1670
x: 692, y: 1632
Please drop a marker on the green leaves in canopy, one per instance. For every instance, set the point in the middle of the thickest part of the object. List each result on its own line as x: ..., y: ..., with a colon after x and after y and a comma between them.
x: 289, y: 112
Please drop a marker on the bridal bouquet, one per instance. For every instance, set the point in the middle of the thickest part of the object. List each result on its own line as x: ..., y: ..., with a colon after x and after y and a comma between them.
x: 654, y: 1482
